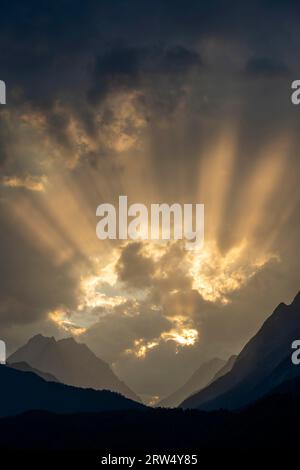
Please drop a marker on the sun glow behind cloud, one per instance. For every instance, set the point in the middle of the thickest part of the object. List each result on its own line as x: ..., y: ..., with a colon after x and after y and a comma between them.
x: 215, y: 275
x: 59, y: 219
x: 181, y: 334
x: 62, y: 319
x: 32, y: 183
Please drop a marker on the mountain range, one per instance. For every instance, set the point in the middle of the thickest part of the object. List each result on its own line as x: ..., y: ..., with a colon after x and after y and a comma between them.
x: 70, y: 363
x: 200, y: 378
x: 254, y: 398
x: 264, y: 363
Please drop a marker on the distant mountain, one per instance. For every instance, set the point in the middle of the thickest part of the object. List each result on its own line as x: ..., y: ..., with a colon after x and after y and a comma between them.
x: 200, y: 378
x: 27, y: 368
x: 263, y: 364
x: 71, y: 363
x: 226, y: 368
x: 23, y: 391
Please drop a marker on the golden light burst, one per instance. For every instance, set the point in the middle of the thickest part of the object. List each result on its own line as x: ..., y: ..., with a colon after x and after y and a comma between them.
x: 59, y: 217
x: 61, y: 319
x: 182, y: 336
x: 92, y: 296
x: 32, y: 183
x: 215, y: 275
x: 141, y: 347
x: 181, y: 333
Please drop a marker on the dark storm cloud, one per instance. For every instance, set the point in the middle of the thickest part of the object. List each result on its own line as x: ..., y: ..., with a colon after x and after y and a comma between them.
x: 133, y: 267
x: 78, y: 55
x: 124, y: 67
x: 49, y: 48
x: 264, y: 67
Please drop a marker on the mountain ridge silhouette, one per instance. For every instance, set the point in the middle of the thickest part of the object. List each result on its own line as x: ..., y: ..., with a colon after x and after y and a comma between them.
x: 24, y: 391
x: 254, y: 371
x: 198, y: 380
x: 72, y: 363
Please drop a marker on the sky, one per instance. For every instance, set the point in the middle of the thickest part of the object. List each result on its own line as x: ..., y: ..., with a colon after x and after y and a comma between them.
x: 185, y: 102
